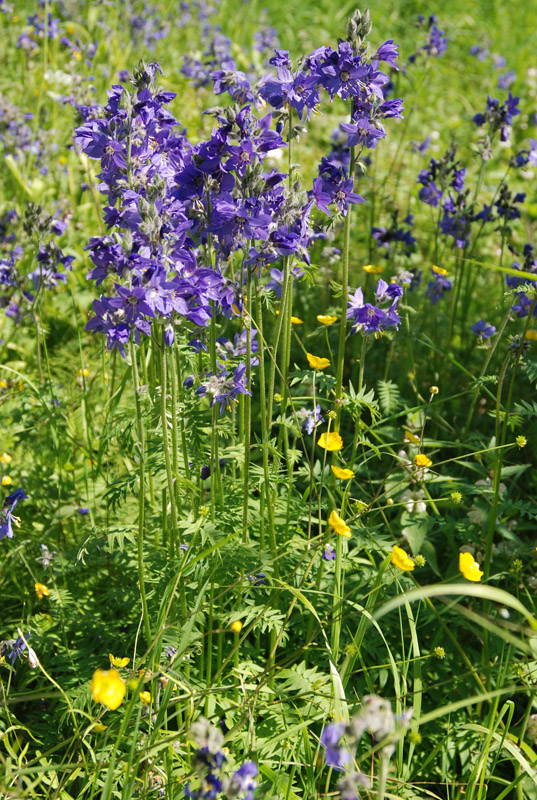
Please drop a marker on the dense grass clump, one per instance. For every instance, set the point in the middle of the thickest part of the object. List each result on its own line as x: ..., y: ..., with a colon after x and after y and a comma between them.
x: 268, y: 300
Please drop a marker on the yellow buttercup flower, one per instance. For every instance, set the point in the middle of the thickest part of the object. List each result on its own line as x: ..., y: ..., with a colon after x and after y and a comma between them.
x: 373, y: 270
x: 41, y: 590
x: 117, y: 661
x: 236, y: 626
x: 339, y: 525
x: 439, y: 270
x: 342, y: 474
x: 330, y: 441
x: 421, y: 460
x: 469, y: 567
x: 145, y: 697
x: 107, y: 687
x: 317, y: 363
x: 5, y: 458
x: 7, y: 480
x: 296, y: 320
x: 401, y: 559
x: 531, y: 335
x: 326, y: 319
x: 3, y: 384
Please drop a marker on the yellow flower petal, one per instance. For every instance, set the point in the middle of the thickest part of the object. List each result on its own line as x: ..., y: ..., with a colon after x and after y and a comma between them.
x: 7, y: 480
x: 439, y: 270
x: 339, y: 525
x: 372, y: 270
x: 117, y: 661
x: 421, y: 460
x: 401, y: 559
x: 326, y: 319
x: 342, y: 474
x: 317, y: 363
x: 108, y: 688
x: 296, y: 320
x: 330, y: 441
x: 5, y: 458
x: 236, y: 626
x: 41, y: 590
x: 145, y: 697
x: 469, y: 567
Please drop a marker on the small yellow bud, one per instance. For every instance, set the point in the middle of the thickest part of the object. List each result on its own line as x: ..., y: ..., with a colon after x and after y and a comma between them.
x: 439, y: 652
x: 456, y: 497
x: 236, y: 626
x: 390, y: 501
x: 521, y: 441
x: 419, y: 560
x: 434, y: 389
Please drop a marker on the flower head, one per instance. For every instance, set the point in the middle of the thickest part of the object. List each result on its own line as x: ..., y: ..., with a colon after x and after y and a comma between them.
x: 342, y: 474
x: 401, y: 559
x: 330, y: 441
x: 236, y: 626
x: 317, y: 363
x: 421, y: 460
x: 339, y: 525
x: 108, y: 688
x: 145, y: 698
x: 469, y: 567
x: 117, y: 661
x: 326, y: 319
x: 41, y: 590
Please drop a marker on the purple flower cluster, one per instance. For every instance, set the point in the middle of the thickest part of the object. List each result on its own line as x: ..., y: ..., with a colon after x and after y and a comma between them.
x: 20, y: 141
x: 437, y: 288
x: 343, y: 73
x: 439, y: 177
x: 396, y: 235
x: 436, y: 41
x: 173, y: 205
x: 499, y: 116
x: 19, y: 290
x: 147, y: 28
x: 368, y: 318
x: 208, y: 762
x: 524, y: 301
x: 39, y: 26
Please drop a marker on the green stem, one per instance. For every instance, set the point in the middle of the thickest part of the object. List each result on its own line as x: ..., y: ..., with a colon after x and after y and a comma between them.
x: 344, y: 303
x: 166, y: 446
x: 141, y: 494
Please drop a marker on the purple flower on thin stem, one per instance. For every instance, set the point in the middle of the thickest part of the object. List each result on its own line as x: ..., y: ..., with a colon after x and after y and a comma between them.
x: 6, y: 514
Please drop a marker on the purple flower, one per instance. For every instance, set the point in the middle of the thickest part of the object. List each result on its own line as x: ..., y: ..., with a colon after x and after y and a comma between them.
x: 329, y: 554
x: 483, y: 329
x: 244, y: 780
x: 336, y: 755
x: 6, y: 513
